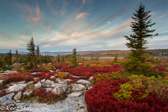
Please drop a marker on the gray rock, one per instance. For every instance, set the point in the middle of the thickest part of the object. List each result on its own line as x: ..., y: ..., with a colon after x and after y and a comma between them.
x: 18, y: 96
x: 84, y: 82
x: 1, y: 81
x: 34, y: 73
x: 77, y: 87
x: 68, y: 80
x: 57, y: 70
x: 48, y: 89
x: 52, y: 77
x: 61, y: 81
x: 16, y: 88
x: 51, y: 71
x: 37, y: 86
x: 42, y: 81
x: 60, y: 89
x: 91, y: 78
x: 21, y: 82
x: 30, y: 82
x: 9, y: 71
x: 76, y: 94
x: 27, y: 93
x: 49, y: 82
x: 7, y: 99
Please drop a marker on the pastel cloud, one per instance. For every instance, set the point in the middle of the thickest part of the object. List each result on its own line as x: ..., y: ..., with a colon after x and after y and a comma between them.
x: 162, y: 16
x: 2, y: 34
x: 34, y: 19
x: 82, y: 16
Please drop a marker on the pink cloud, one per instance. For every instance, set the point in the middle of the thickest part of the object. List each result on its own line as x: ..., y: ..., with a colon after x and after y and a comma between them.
x: 82, y: 16
x: 34, y: 19
x: 4, y: 34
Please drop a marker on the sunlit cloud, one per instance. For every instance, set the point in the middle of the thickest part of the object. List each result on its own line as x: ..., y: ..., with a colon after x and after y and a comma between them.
x: 82, y: 16
x: 34, y: 19
x: 162, y: 16
x: 2, y: 34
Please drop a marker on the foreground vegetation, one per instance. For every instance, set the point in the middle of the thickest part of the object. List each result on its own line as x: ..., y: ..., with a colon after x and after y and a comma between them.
x: 139, y: 82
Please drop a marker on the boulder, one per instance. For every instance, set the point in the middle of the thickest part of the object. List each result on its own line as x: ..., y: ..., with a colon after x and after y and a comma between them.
x: 84, y: 82
x: 34, y: 73
x: 61, y: 81
x: 76, y: 94
x: 68, y: 80
x: 18, y: 96
x: 59, y: 90
x: 7, y: 99
x: 27, y: 93
x: 16, y: 88
x: 48, y: 89
x: 37, y: 86
x: 21, y: 82
x: 42, y: 81
x: 91, y: 78
x: 49, y: 82
x: 1, y: 81
x: 53, y: 77
x: 57, y: 70
x: 30, y: 82
x: 57, y: 85
x: 51, y: 71
x: 77, y: 87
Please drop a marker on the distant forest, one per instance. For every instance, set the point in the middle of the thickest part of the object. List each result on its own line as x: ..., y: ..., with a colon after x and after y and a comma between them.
x: 123, y: 53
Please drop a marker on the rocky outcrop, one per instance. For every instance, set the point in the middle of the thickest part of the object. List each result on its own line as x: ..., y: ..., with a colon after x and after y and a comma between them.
x: 77, y: 87
x: 7, y: 99
x: 37, y: 86
x: 18, y: 96
x: 16, y: 88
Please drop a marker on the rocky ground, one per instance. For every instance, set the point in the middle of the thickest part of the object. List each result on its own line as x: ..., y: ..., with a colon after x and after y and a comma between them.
x: 74, y: 102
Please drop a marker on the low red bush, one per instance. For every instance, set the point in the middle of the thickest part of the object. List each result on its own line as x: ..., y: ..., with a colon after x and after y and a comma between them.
x: 15, y: 77
x: 100, y: 99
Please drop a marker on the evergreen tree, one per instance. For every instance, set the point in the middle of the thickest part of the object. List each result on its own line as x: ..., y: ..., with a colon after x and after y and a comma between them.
x: 115, y: 57
x: 17, y: 56
x: 8, y: 58
x: 37, y: 51
x: 31, y: 49
x: 58, y: 58
x: 37, y: 54
x: 74, y: 59
x: 62, y: 59
x: 1, y: 63
x: 136, y: 60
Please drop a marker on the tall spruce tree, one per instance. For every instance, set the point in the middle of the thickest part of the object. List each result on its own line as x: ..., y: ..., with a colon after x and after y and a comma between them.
x: 17, y: 56
x: 74, y: 58
x: 136, y: 60
x: 37, y: 51
x: 31, y: 49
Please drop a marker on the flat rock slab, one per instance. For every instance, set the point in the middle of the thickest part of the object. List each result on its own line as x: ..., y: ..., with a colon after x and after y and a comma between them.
x: 70, y: 104
x: 77, y: 87
x: 16, y: 88
x: 76, y: 94
x: 7, y: 99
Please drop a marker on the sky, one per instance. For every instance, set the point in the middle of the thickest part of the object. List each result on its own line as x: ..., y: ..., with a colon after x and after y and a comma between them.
x: 87, y: 25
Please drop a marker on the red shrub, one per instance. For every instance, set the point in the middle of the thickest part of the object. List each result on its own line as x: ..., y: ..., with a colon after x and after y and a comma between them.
x: 36, y: 70
x: 15, y: 77
x: 45, y: 75
x: 41, y: 92
x: 90, y: 71
x: 100, y: 99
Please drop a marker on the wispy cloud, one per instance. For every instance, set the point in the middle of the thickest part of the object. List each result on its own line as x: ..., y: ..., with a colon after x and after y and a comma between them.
x: 162, y: 16
x: 82, y: 16
x: 83, y: 2
x: 34, y: 19
x: 2, y: 34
